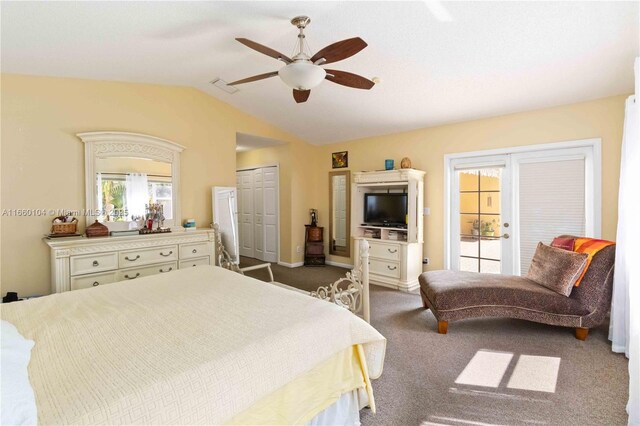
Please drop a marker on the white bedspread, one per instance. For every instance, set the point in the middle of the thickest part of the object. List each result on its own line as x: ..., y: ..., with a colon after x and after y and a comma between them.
x: 194, y: 346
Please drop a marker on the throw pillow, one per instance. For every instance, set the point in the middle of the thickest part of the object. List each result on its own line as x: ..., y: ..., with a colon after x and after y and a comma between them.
x: 564, y: 243
x: 556, y: 269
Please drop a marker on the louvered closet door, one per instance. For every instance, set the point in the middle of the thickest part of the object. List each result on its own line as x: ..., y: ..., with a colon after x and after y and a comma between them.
x: 258, y: 206
x: 551, y: 200
x: 270, y: 213
x: 246, y: 214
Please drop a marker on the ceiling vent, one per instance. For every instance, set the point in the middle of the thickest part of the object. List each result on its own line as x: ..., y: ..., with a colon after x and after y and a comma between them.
x: 222, y: 85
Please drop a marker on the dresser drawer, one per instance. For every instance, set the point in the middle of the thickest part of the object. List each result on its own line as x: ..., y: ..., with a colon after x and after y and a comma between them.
x: 86, y: 264
x: 385, y: 268
x: 384, y: 251
x: 93, y: 280
x: 189, y: 251
x: 130, y: 258
x: 145, y: 271
x: 194, y: 262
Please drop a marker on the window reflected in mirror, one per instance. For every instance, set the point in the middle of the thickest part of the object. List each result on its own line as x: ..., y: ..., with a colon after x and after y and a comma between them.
x: 340, y: 213
x: 126, y: 185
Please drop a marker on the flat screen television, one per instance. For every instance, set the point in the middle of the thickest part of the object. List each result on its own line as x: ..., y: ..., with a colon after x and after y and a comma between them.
x: 385, y: 209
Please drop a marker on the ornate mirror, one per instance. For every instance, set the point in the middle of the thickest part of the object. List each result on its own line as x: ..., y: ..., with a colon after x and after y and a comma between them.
x: 340, y: 213
x: 124, y: 172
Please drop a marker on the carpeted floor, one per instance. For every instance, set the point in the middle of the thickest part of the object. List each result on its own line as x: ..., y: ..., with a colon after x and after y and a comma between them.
x: 418, y: 384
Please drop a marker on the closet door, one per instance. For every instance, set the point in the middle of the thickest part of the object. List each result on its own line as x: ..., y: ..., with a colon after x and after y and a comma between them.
x: 258, y: 214
x: 245, y: 191
x: 270, y: 213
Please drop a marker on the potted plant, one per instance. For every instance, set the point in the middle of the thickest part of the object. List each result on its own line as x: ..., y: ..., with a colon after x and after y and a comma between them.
x: 487, y: 228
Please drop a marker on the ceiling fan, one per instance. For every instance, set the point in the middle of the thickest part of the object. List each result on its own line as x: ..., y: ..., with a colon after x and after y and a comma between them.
x: 303, y: 72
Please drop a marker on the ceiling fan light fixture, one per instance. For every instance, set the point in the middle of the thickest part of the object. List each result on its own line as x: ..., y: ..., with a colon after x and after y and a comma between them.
x: 302, y: 75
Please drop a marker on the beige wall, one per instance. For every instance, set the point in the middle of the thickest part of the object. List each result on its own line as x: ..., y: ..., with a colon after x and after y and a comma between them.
x: 602, y: 118
x: 42, y: 163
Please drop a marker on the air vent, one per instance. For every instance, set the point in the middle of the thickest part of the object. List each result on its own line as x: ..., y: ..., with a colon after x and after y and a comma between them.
x: 222, y: 85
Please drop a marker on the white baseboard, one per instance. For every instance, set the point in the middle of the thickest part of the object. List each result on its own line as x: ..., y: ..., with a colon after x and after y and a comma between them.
x: 338, y: 264
x: 291, y: 265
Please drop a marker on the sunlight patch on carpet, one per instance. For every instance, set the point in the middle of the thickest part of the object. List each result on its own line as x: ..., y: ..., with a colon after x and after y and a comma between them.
x: 535, y: 373
x: 486, y: 368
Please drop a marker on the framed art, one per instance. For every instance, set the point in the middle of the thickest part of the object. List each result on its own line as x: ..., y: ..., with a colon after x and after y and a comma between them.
x: 340, y: 160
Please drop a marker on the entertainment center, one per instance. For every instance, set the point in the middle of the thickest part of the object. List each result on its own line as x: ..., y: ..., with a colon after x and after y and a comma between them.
x: 387, y: 211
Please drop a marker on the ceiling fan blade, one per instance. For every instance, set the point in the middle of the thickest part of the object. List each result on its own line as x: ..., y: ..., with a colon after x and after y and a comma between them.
x: 348, y: 79
x: 341, y: 50
x: 254, y: 78
x: 264, y: 50
x: 301, y: 95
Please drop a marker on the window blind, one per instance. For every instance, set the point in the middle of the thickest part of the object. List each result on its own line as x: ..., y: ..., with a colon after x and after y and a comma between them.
x: 551, y: 203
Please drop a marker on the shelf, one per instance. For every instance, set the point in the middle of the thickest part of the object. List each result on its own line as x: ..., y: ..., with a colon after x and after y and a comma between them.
x: 388, y: 228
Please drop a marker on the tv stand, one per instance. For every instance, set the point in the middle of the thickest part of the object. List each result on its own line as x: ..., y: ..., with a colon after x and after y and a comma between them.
x: 395, y: 251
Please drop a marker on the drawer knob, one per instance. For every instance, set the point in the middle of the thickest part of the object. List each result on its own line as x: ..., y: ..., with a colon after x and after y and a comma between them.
x: 168, y: 270
x: 134, y: 277
x: 194, y: 251
x: 392, y: 269
x: 132, y: 260
x: 95, y: 263
x: 393, y: 251
x: 96, y: 283
x: 194, y: 264
x: 168, y: 254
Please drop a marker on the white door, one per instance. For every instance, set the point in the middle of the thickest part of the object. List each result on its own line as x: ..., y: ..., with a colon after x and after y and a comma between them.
x: 225, y: 214
x: 246, y: 214
x: 480, y: 222
x: 258, y: 214
x: 270, y: 213
x: 501, y: 206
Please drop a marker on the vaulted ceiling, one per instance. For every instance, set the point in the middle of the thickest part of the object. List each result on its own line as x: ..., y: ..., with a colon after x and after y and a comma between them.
x: 438, y: 62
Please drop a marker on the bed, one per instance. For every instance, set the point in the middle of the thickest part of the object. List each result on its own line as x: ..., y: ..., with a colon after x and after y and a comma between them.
x: 202, y: 345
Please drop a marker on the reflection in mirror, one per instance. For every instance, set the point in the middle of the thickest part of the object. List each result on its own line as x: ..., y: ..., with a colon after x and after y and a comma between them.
x: 124, y: 185
x: 340, y: 213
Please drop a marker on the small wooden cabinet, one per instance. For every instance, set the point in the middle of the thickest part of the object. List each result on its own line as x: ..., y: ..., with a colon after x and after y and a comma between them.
x: 314, y: 246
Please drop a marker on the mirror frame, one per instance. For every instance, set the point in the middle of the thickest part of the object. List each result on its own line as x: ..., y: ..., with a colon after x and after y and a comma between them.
x: 347, y: 251
x: 124, y: 144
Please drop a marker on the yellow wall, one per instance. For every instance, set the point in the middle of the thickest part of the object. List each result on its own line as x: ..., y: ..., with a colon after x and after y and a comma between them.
x: 43, y: 161
x: 602, y: 118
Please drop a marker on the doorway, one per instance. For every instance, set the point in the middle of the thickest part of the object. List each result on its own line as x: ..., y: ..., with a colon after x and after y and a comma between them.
x: 258, y: 227
x: 501, y: 203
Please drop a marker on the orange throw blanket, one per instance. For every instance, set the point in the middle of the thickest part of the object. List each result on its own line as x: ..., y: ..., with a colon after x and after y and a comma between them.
x: 591, y: 246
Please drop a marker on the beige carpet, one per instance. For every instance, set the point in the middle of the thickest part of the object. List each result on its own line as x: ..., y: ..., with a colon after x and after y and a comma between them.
x: 418, y: 384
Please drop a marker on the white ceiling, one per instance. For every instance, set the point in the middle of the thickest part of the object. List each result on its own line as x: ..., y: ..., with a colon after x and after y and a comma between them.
x: 493, y: 58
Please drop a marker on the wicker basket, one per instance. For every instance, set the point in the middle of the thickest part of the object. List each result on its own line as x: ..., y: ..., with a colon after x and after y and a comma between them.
x: 64, y: 228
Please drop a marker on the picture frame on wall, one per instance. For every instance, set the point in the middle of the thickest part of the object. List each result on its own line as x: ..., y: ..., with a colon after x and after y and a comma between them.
x: 340, y: 160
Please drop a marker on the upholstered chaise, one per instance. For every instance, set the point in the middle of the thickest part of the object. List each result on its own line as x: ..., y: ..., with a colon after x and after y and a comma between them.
x: 453, y: 295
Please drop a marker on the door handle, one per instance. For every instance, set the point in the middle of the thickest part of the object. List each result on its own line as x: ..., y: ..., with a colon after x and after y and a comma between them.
x: 505, y: 236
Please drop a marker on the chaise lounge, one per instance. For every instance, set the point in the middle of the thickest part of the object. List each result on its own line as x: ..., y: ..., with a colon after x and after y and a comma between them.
x: 454, y: 295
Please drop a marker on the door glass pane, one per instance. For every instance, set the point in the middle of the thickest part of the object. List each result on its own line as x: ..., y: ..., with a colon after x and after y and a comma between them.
x: 468, y: 264
x: 479, y: 197
x: 489, y: 266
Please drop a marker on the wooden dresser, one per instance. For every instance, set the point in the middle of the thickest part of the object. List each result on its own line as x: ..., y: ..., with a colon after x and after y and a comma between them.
x: 78, y: 263
x: 314, y: 246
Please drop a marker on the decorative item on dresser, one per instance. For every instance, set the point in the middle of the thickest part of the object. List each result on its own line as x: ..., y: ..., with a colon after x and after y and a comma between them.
x: 96, y: 229
x: 395, y: 248
x: 83, y: 263
x: 314, y: 246
x: 405, y: 163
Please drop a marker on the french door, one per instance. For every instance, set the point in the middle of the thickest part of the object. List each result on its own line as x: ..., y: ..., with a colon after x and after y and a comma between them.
x: 481, y: 217
x: 501, y: 205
